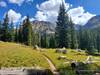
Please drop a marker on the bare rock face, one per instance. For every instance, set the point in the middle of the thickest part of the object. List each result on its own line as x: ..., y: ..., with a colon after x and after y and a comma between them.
x: 43, y: 27
x: 93, y: 23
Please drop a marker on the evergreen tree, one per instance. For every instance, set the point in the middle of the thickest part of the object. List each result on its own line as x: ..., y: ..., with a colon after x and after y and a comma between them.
x: 0, y: 30
x: 39, y: 39
x: 5, y: 29
x: 33, y: 39
x: 68, y: 31
x: 20, y: 34
x: 36, y: 39
x: 82, y: 37
x: 12, y: 32
x: 27, y: 32
x: 98, y: 41
x: 61, y: 28
x: 94, y: 38
x: 52, y: 42
x: 44, y: 41
x: 74, y: 41
x: 16, y: 34
x: 90, y: 42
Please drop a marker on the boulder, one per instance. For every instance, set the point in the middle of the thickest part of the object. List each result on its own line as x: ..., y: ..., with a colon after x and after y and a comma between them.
x: 89, y: 60
x: 58, y: 51
x: 97, y: 73
x: 79, y: 50
x: 64, y: 51
x: 61, y: 57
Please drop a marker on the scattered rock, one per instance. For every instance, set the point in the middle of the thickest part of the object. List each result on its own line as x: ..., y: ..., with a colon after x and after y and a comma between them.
x: 79, y: 50
x: 36, y: 47
x: 89, y: 60
x: 61, y: 57
x: 58, y: 51
x: 64, y: 51
x: 97, y: 73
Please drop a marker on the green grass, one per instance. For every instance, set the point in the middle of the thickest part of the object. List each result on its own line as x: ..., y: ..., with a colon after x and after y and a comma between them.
x: 74, y: 56
x: 71, y: 55
x: 16, y: 55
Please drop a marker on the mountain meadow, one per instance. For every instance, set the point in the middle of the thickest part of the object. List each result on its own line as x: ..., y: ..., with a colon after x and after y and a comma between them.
x: 62, y: 48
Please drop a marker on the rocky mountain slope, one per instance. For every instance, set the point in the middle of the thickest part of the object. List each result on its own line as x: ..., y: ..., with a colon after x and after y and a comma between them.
x: 93, y: 23
x: 43, y: 27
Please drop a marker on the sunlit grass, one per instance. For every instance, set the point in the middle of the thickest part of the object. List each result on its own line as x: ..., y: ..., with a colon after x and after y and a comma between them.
x: 73, y: 56
x: 16, y: 55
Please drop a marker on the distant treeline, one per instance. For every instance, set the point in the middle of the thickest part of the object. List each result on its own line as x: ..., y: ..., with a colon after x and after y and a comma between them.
x: 65, y: 34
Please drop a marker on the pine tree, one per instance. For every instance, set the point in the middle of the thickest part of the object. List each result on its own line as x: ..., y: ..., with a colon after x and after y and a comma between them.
x: 68, y: 31
x: 90, y: 42
x: 16, y: 34
x: 61, y: 28
x: 52, y: 42
x: 94, y: 37
x: 98, y: 41
x: 33, y: 39
x: 36, y: 39
x: 20, y: 34
x: 44, y: 42
x: 27, y: 32
x: 82, y: 37
x: 0, y: 30
x: 5, y: 28
x: 74, y: 41
x: 12, y: 32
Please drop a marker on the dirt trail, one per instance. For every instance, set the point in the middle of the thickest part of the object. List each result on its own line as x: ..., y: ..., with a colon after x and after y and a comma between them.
x: 52, y: 66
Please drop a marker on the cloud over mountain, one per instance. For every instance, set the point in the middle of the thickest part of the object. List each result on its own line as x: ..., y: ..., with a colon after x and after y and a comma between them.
x: 48, y: 11
x: 79, y: 16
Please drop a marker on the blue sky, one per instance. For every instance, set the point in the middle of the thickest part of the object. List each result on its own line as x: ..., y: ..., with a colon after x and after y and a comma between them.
x: 46, y: 10
x: 92, y: 6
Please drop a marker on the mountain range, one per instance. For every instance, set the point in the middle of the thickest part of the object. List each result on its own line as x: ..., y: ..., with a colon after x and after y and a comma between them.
x: 93, y: 23
x: 48, y: 27
x: 43, y: 27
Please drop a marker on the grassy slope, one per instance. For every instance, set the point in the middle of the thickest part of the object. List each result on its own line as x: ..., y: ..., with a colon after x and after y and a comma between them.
x: 15, y: 55
x: 71, y: 55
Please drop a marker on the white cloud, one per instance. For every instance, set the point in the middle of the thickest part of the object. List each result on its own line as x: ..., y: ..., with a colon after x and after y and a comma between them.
x: 20, y: 2
x: 23, y: 18
x: 51, y: 5
x: 41, y: 16
x: 48, y: 11
x: 14, y: 16
x: 3, y: 4
x: 32, y: 19
x: 79, y: 16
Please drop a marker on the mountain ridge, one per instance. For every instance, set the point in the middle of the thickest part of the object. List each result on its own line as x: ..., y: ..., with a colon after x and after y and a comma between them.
x: 93, y: 23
